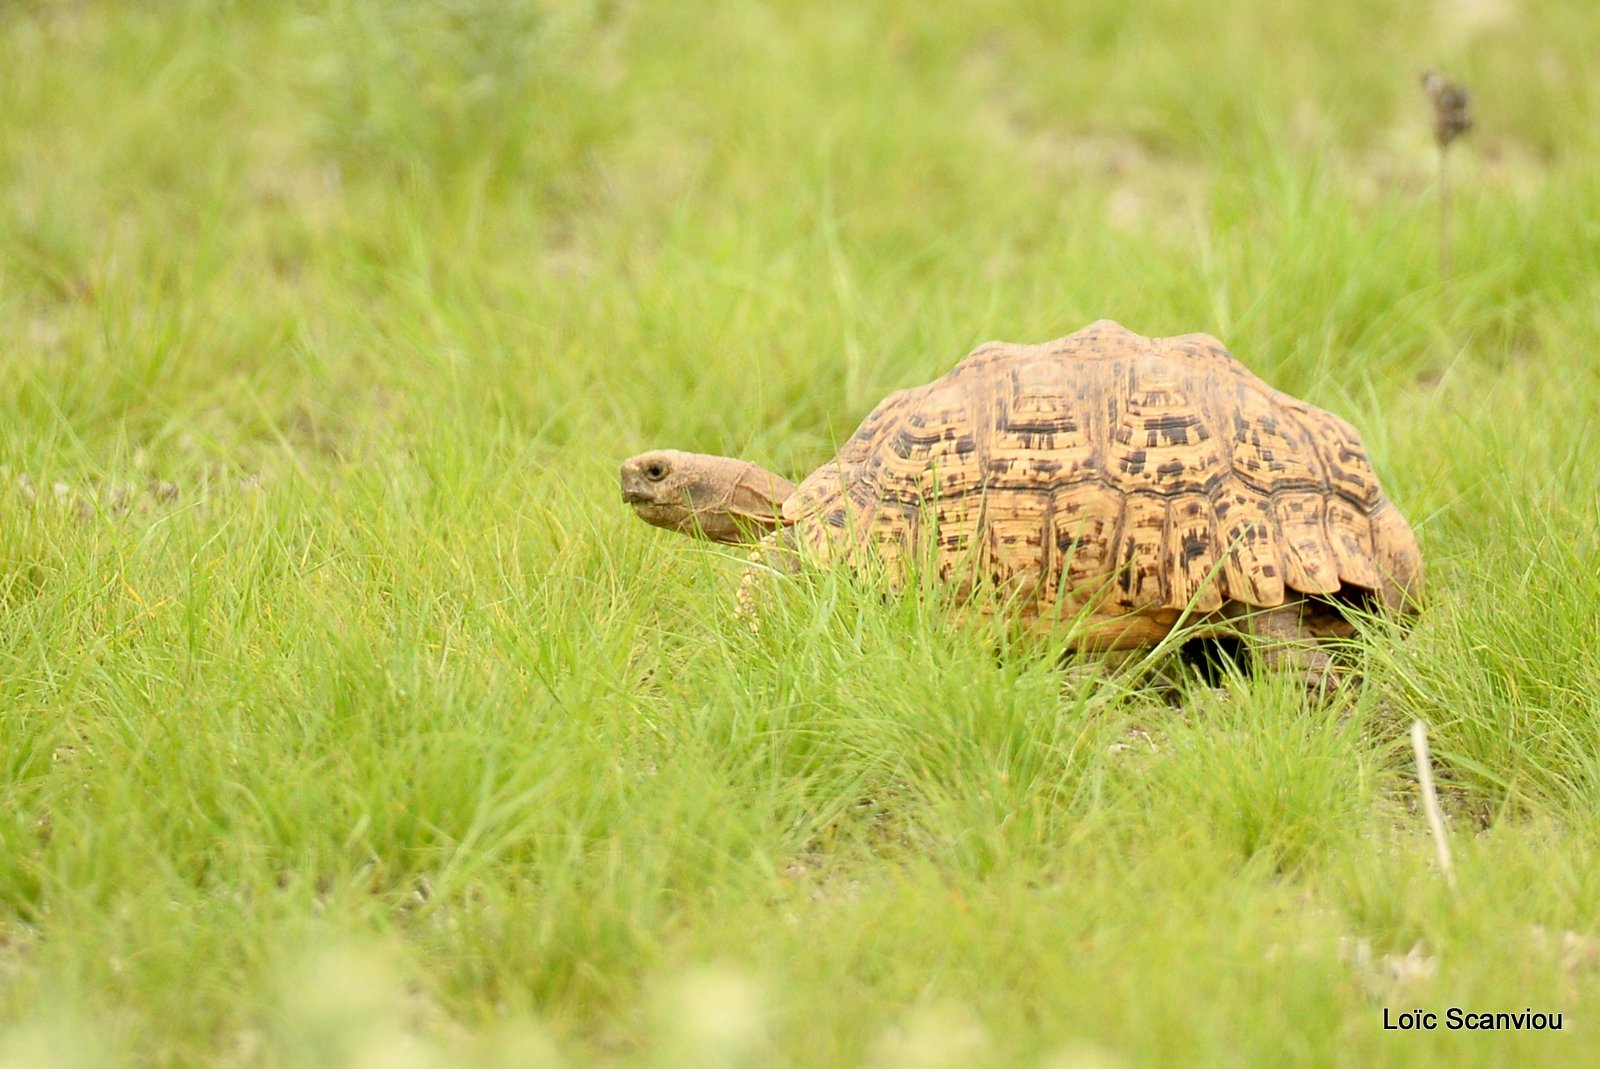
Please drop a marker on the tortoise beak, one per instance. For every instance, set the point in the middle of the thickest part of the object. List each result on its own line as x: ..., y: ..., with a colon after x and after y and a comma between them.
x: 631, y: 496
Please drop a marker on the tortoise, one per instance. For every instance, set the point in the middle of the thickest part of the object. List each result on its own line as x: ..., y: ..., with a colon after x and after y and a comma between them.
x: 1109, y: 483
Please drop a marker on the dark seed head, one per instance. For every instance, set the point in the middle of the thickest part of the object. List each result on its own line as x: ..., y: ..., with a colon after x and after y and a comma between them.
x: 1452, y: 107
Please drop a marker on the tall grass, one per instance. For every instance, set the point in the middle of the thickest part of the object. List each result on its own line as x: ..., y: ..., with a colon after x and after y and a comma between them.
x: 347, y: 719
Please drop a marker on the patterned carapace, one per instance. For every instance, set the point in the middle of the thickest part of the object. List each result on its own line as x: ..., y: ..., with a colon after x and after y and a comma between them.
x: 1124, y: 477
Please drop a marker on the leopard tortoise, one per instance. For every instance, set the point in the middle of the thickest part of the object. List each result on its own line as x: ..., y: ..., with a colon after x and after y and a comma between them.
x: 1105, y: 479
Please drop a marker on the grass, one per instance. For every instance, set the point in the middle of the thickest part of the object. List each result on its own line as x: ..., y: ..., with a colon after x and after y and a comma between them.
x: 346, y: 718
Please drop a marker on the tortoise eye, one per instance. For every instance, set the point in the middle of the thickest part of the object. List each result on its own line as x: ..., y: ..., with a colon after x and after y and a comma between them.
x: 656, y: 472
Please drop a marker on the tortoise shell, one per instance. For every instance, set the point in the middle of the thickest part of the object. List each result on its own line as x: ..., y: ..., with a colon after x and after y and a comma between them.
x: 1114, y: 477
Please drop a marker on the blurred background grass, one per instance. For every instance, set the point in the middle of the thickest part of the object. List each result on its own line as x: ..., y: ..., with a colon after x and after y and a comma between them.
x: 346, y: 718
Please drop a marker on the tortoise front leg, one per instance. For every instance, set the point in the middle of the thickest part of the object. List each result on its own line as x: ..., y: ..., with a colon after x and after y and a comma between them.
x: 773, y: 556
x: 1287, y: 638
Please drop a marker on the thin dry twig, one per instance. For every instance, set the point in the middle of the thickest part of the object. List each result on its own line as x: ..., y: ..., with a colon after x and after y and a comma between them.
x: 1430, y: 799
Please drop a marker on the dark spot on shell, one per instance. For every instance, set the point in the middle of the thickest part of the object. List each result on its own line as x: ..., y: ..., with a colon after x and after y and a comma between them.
x: 1175, y: 429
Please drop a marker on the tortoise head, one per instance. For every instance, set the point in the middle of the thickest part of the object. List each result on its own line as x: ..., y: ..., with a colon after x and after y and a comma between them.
x: 721, y: 498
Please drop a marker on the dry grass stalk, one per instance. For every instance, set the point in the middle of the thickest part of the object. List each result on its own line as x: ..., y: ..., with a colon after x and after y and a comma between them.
x: 1430, y: 799
x: 1452, y: 117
